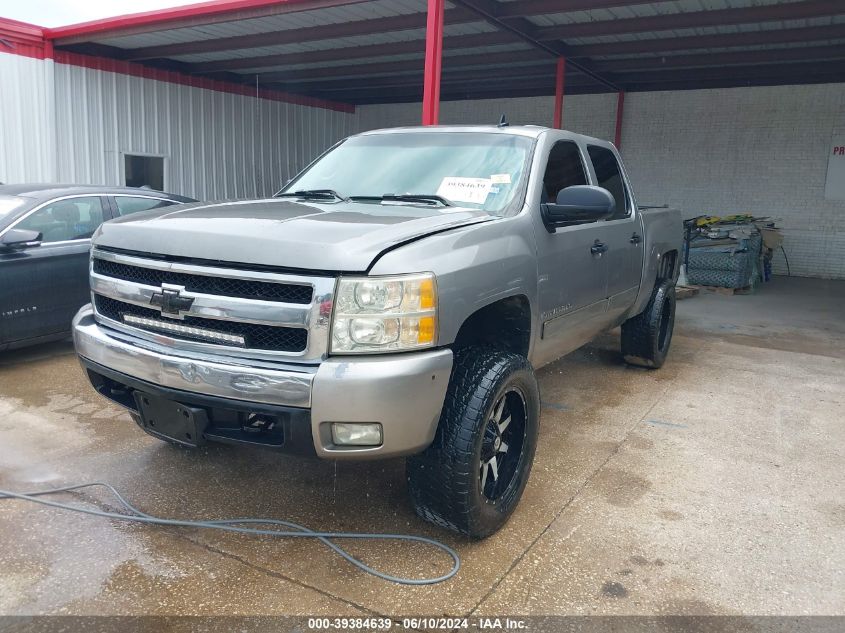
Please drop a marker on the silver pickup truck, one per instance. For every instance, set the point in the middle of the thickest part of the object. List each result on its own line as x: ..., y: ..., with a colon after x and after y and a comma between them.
x: 395, y: 298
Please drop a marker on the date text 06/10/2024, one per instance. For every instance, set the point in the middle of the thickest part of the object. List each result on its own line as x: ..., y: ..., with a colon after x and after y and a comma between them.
x: 429, y: 623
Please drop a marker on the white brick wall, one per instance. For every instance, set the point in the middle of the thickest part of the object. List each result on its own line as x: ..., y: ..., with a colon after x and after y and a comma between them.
x: 761, y: 150
x: 589, y: 114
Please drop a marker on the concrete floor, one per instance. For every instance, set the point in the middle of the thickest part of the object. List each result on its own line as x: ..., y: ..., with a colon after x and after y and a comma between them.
x: 712, y: 486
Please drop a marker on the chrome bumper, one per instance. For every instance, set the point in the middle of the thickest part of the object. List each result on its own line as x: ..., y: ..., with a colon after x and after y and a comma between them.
x: 402, y: 392
x: 210, y: 378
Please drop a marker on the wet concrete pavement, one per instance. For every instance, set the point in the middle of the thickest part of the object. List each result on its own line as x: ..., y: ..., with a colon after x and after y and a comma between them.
x: 711, y: 486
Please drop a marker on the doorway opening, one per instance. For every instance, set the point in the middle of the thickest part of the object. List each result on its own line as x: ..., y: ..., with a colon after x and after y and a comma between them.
x: 144, y: 171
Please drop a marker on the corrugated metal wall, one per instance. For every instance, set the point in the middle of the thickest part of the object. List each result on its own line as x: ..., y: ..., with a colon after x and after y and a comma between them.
x: 27, y: 134
x: 216, y: 145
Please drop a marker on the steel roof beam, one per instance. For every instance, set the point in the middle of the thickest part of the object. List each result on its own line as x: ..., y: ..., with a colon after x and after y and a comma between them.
x: 112, y: 52
x: 452, y: 93
x: 526, y: 31
x: 545, y: 76
x: 406, y: 22
x: 723, y: 40
x: 408, y: 66
x: 392, y: 96
x: 455, y: 76
x: 447, y: 88
x: 354, y: 52
x: 785, y: 71
x: 521, y: 8
x: 764, y: 56
x: 694, y: 19
x: 737, y: 82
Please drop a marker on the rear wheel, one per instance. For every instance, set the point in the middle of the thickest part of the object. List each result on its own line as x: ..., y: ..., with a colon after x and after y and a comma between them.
x: 472, y: 476
x: 647, y: 336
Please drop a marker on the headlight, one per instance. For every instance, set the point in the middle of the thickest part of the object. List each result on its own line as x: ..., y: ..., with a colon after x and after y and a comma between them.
x: 384, y: 314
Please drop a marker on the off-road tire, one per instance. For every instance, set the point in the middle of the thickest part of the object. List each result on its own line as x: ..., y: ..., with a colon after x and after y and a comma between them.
x: 445, y: 481
x: 647, y: 336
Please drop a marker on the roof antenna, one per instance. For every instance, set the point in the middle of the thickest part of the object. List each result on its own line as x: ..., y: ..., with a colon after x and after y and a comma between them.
x: 503, y: 122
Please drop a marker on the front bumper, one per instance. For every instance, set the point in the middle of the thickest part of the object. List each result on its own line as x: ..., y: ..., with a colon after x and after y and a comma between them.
x: 402, y: 392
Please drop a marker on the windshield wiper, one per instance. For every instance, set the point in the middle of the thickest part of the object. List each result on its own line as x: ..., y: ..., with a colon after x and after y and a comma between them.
x: 313, y: 194
x: 421, y: 198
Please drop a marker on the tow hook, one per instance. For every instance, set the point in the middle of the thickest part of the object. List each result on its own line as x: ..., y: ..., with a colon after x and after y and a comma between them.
x: 258, y: 423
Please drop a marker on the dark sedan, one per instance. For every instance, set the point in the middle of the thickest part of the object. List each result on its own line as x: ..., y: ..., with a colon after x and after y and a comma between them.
x: 45, y: 233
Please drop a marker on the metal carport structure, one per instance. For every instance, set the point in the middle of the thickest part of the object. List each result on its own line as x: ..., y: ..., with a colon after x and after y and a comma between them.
x: 391, y: 51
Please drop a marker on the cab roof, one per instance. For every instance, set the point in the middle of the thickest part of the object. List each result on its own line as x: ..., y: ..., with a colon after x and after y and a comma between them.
x: 529, y: 131
x: 514, y: 130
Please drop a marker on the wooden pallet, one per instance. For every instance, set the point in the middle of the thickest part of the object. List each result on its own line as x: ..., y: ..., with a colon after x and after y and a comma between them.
x: 685, y: 292
x: 747, y: 290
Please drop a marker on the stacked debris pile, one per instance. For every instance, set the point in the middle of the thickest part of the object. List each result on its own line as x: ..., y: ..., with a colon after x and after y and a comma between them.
x: 729, y: 251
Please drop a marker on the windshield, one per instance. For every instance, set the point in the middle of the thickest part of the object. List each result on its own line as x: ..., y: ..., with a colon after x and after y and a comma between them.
x: 9, y: 204
x: 479, y: 170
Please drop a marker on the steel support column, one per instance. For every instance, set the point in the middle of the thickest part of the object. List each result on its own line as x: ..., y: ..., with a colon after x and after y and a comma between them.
x: 433, y: 62
x: 620, y: 109
x: 560, y: 77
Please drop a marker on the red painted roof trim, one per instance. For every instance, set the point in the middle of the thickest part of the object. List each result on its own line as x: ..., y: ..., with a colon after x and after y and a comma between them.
x: 21, y: 29
x: 22, y: 38
x: 137, y: 70
x: 212, y: 7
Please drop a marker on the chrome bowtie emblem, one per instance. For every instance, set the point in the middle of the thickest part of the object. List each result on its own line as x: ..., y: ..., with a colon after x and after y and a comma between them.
x: 171, y: 302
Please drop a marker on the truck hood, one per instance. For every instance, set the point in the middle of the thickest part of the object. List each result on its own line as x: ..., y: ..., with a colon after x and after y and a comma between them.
x: 343, y: 236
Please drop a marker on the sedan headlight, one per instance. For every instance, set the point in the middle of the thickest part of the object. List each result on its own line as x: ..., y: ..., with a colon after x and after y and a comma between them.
x: 384, y: 314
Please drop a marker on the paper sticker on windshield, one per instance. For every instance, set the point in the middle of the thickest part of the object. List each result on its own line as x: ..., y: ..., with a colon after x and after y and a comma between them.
x: 472, y: 190
x: 500, y: 179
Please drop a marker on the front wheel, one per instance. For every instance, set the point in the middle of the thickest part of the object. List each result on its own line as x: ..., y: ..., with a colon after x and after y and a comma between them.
x: 472, y: 476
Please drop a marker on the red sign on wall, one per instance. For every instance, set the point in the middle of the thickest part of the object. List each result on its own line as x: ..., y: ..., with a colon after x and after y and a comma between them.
x: 834, y: 188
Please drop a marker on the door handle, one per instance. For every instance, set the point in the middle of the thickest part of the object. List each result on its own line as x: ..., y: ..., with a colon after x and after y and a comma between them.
x: 598, y: 248
x: 636, y: 238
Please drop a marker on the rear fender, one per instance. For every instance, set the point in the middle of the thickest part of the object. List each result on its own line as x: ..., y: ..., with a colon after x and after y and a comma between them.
x: 663, y: 233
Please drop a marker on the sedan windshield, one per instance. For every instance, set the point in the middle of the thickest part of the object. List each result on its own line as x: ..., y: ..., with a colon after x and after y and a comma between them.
x: 9, y: 204
x: 480, y: 170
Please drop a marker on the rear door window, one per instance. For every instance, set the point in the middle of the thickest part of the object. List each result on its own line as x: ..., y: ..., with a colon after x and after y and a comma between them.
x: 127, y: 205
x: 609, y: 176
x: 65, y: 220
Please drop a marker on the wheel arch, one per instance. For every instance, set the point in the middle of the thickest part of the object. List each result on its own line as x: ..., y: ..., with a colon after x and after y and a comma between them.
x: 662, y: 262
x: 668, y: 267
x: 504, y: 324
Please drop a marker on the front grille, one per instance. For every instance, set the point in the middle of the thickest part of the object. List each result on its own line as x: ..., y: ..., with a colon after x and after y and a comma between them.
x: 206, y: 284
x: 260, y: 337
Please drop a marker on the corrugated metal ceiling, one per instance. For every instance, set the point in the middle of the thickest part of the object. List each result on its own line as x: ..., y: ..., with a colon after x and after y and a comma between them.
x: 364, y: 61
x: 269, y: 24
x: 645, y: 10
x: 359, y: 53
x: 336, y: 43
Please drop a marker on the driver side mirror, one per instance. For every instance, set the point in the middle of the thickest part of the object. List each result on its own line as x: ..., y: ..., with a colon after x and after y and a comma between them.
x: 19, y: 239
x: 578, y: 204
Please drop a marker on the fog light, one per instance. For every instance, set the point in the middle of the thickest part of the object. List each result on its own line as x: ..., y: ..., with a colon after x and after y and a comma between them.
x: 345, y: 434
